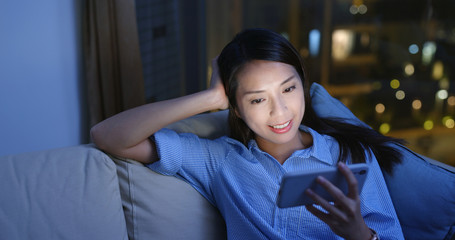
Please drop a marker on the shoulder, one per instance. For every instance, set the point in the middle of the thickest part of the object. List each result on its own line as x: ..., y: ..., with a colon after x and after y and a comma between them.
x: 324, y: 146
x: 319, y: 138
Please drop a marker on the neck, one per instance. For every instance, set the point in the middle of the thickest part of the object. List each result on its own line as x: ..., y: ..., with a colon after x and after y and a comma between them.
x: 281, y: 152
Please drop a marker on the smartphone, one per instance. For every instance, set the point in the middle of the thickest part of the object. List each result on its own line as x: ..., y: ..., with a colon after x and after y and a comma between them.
x: 294, y: 184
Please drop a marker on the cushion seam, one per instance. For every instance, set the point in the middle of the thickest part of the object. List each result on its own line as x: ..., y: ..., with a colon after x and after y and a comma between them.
x: 131, y: 200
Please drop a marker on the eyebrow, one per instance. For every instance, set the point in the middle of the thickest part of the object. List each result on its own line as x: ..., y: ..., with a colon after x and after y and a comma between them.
x: 260, y: 91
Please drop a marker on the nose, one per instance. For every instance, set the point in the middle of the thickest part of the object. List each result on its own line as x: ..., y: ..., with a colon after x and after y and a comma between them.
x: 278, y: 107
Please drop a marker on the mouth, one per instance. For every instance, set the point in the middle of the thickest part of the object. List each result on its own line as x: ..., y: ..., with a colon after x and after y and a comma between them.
x: 281, y: 126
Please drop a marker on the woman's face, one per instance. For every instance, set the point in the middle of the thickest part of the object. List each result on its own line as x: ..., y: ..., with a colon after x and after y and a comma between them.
x: 270, y: 100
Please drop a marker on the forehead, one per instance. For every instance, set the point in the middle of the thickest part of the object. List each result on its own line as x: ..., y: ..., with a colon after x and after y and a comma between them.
x: 260, y: 73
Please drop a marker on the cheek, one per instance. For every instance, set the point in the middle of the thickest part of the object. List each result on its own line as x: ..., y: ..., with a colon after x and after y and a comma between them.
x: 302, y: 102
x: 299, y: 103
x: 251, y: 115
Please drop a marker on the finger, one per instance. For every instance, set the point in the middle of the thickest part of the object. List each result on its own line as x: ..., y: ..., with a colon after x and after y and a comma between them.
x: 318, y: 213
x: 353, y: 191
x: 325, y: 217
x: 341, y: 202
x: 338, y: 195
x: 330, y: 208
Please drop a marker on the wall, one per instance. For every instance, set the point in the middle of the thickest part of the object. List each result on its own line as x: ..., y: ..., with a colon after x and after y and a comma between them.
x: 41, y: 102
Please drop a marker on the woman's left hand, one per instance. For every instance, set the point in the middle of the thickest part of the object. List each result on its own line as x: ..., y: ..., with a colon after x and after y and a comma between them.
x: 344, y: 216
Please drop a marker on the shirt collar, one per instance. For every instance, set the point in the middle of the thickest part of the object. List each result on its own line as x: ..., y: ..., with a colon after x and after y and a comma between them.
x: 319, y: 150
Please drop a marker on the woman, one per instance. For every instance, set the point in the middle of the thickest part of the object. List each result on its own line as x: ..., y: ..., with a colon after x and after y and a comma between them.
x: 261, y: 80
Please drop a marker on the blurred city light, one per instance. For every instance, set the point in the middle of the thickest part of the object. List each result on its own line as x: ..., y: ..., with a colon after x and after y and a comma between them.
x: 400, y: 95
x: 417, y: 104
x: 358, y: 7
x: 428, y: 125
x: 428, y: 51
x: 384, y: 128
x: 442, y: 94
x: 451, y: 101
x: 448, y: 122
x: 380, y: 108
x: 408, y: 69
x: 395, y: 83
x: 363, y: 9
x: 413, y: 49
x: 438, y: 70
x: 314, y: 42
x: 342, y: 44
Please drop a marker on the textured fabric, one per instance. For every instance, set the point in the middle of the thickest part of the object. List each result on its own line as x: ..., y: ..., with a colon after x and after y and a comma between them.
x: 424, y: 197
x: 212, y: 125
x: 243, y: 183
x: 164, y: 207
x: 68, y: 193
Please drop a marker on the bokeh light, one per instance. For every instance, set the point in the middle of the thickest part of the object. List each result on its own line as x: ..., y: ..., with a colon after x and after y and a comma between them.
x: 451, y: 101
x: 409, y: 69
x: 428, y: 51
x: 442, y: 94
x: 400, y: 95
x: 380, y: 108
x: 438, y: 70
x: 363, y: 9
x: 384, y: 128
x: 417, y: 104
x: 413, y: 49
x: 428, y: 125
x: 448, y: 122
x: 395, y: 83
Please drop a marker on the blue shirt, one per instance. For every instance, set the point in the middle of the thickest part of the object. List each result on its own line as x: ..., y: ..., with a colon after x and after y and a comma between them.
x: 243, y: 182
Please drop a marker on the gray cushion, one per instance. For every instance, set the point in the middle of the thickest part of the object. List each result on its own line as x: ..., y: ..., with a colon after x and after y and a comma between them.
x: 210, y: 126
x: 164, y: 207
x: 68, y: 193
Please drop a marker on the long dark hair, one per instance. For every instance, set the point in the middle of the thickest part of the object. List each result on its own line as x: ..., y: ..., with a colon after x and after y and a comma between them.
x: 263, y: 44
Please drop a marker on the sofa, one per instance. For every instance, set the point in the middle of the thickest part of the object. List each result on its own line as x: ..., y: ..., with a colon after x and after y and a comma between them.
x: 80, y: 192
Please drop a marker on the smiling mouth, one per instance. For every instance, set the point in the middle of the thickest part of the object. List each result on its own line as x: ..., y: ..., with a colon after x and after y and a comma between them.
x: 281, y: 126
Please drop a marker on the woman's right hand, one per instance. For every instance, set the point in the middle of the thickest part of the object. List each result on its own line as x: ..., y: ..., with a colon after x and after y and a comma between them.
x: 344, y: 216
x: 217, y: 86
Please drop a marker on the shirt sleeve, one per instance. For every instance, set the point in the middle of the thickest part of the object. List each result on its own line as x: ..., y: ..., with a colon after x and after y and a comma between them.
x: 376, y: 205
x: 188, y: 157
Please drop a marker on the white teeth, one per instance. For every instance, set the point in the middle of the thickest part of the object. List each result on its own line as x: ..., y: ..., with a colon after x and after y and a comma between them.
x: 282, y: 125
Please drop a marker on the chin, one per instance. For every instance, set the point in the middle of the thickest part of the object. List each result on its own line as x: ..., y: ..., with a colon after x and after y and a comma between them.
x: 281, y: 139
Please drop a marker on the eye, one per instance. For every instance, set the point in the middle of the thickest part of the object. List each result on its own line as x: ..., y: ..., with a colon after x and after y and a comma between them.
x: 289, y: 89
x: 257, y: 101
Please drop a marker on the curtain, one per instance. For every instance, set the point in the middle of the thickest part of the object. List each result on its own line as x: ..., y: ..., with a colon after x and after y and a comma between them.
x: 113, y: 68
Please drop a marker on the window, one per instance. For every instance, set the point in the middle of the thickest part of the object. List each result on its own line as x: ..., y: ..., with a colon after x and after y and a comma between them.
x: 391, y: 62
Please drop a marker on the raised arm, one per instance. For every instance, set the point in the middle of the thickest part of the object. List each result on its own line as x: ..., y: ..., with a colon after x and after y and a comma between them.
x: 127, y: 133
